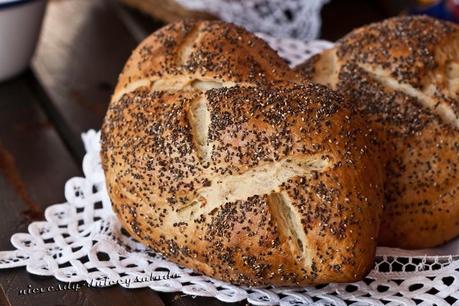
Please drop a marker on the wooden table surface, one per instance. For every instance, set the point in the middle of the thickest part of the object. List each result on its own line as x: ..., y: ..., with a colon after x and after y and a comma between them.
x: 83, y: 47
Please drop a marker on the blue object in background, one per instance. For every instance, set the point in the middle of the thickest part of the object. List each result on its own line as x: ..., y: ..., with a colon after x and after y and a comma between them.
x: 442, y: 9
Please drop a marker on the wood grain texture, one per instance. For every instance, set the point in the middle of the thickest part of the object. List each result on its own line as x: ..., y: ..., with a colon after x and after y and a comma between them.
x: 83, y: 47
x: 26, y: 138
x: 34, y: 166
x: 167, y: 10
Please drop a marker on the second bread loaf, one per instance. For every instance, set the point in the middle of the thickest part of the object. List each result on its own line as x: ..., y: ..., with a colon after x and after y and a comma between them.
x: 403, y: 74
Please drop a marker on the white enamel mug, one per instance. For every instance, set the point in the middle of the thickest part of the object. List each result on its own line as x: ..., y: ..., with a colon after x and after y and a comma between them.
x: 20, y: 23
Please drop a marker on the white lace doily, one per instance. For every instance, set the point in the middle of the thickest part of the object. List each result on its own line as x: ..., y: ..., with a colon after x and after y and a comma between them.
x: 298, y: 19
x: 295, y: 51
x: 82, y: 240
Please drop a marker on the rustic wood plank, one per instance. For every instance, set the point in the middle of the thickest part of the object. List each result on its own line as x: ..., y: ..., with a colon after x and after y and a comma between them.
x: 169, y: 10
x: 34, y: 165
x: 82, y: 49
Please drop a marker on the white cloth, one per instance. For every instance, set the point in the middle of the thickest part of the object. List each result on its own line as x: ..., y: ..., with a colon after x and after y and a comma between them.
x: 278, y: 18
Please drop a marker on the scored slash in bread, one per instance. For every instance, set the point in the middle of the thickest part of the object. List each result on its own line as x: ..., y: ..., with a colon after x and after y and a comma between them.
x: 225, y: 161
x: 403, y: 74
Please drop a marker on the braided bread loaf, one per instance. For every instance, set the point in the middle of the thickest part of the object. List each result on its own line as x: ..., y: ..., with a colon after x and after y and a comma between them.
x: 224, y: 160
x: 403, y: 74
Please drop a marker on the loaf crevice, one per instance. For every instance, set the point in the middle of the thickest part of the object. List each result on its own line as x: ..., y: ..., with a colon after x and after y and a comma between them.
x: 452, y: 73
x: 288, y: 223
x: 328, y: 66
x: 442, y: 109
x: 185, y: 82
x: 185, y: 49
x: 258, y: 181
x: 199, y: 121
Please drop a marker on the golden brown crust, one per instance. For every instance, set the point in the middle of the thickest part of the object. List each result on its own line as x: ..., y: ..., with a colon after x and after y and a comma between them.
x: 410, y: 49
x: 204, y: 50
x: 270, y: 182
x: 403, y: 75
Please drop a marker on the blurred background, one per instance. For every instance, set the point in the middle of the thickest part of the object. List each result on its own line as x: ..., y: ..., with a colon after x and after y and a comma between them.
x: 337, y: 16
x: 20, y: 20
